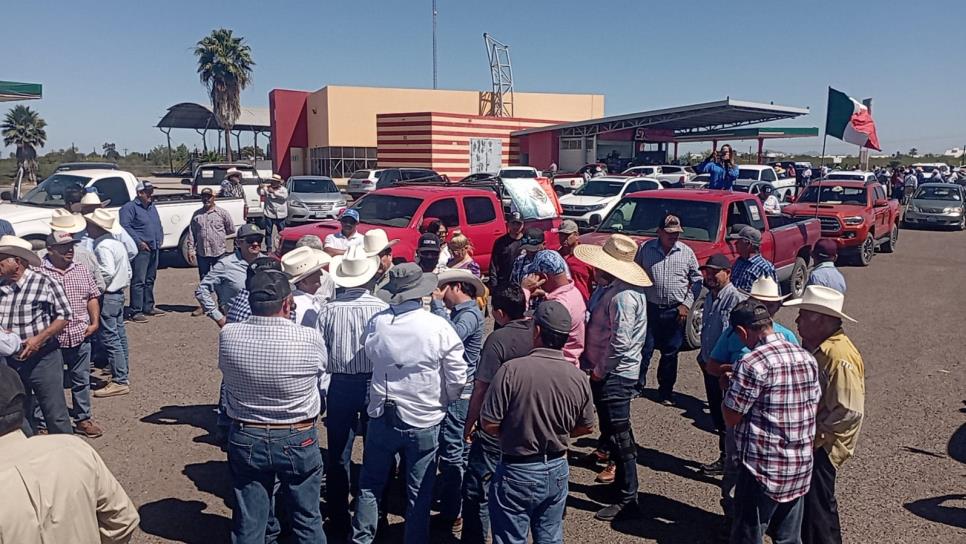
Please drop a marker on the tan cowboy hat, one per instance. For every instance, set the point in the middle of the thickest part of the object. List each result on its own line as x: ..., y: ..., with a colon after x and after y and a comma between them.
x: 14, y: 246
x: 104, y: 219
x: 616, y: 258
x: 232, y: 172
x: 276, y: 177
x: 453, y: 275
x: 88, y: 203
x: 354, y: 268
x: 822, y: 300
x: 303, y: 261
x: 64, y: 221
x: 375, y: 241
x: 766, y: 290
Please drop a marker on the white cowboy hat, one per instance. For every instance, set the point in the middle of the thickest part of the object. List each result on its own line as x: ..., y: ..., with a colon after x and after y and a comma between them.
x: 822, y: 300
x: 276, y: 177
x: 14, y: 246
x: 616, y: 258
x: 303, y: 261
x: 104, y: 219
x: 375, y: 241
x: 64, y: 221
x: 766, y: 290
x: 453, y: 275
x: 88, y: 203
x: 354, y: 268
x: 232, y: 172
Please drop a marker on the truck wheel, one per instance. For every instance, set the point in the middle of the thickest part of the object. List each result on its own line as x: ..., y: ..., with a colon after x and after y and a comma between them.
x: 692, y: 327
x: 889, y: 246
x: 867, y: 251
x: 962, y: 224
x: 795, y: 285
x: 183, y: 249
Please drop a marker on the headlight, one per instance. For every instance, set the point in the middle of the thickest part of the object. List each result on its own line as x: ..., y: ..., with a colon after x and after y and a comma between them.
x: 953, y: 210
x: 297, y: 203
x: 854, y: 220
x: 595, y: 207
x: 914, y: 209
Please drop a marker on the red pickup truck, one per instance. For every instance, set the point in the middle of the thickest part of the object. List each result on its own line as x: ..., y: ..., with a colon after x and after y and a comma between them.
x: 858, y: 215
x: 709, y: 218
x: 399, y: 210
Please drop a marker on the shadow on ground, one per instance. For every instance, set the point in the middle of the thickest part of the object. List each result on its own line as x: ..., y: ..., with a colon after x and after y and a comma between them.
x: 200, y: 416
x: 183, y: 521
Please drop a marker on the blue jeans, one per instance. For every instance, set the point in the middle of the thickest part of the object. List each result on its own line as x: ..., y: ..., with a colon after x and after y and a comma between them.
x: 77, y: 378
x: 529, y: 498
x: 144, y: 270
x: 270, y: 225
x: 756, y: 513
x: 484, y: 456
x: 346, y: 401
x: 665, y: 334
x: 42, y: 376
x: 385, y: 437
x: 114, y: 336
x: 612, y: 396
x: 453, y: 455
x: 257, y: 459
x: 205, y: 264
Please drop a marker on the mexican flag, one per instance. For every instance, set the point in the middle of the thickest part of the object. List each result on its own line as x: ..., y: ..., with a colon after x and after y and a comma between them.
x: 849, y: 120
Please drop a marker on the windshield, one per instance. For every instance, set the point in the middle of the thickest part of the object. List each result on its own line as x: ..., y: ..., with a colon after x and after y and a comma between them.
x: 641, y: 170
x: 214, y: 175
x: 834, y: 194
x: 387, y: 210
x: 517, y: 174
x: 360, y: 174
x: 314, y: 186
x: 50, y: 192
x: 844, y: 177
x: 747, y: 173
x: 641, y: 216
x: 938, y: 193
x: 598, y: 187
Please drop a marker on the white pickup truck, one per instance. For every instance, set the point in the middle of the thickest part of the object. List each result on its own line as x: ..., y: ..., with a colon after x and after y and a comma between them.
x: 31, y: 215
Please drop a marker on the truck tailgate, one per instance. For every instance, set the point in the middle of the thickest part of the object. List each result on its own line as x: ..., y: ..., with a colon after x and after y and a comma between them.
x: 790, y: 237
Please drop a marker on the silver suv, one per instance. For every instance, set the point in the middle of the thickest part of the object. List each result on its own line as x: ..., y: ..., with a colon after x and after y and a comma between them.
x: 364, y: 181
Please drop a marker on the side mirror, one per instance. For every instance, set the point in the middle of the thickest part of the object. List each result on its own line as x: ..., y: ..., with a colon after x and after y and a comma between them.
x: 6, y: 195
x: 594, y: 220
x: 185, y: 181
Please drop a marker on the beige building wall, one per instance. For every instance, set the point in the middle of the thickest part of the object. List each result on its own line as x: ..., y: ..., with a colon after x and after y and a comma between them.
x: 346, y: 116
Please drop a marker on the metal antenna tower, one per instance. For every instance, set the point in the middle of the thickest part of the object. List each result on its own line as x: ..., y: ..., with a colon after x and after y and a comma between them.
x: 434, y: 43
x: 501, y: 72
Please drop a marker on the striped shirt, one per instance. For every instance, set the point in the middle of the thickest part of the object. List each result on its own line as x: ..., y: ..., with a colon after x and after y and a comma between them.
x: 826, y: 274
x: 617, y: 329
x: 342, y: 323
x: 80, y: 288
x: 208, y: 231
x: 746, y: 271
x: 776, y: 388
x: 240, y: 310
x: 675, y: 274
x: 29, y: 305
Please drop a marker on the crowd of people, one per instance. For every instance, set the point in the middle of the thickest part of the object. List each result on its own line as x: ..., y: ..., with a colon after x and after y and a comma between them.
x: 476, y: 424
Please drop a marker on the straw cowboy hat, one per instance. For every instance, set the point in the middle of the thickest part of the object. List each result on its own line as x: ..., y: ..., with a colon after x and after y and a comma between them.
x: 303, y: 261
x: 376, y: 241
x: 616, y: 258
x: 822, y: 300
x: 353, y: 268
x: 14, y: 246
x: 64, y: 221
x: 104, y: 219
x: 766, y: 290
x: 453, y: 275
x: 88, y: 203
x: 232, y: 172
x: 407, y: 282
x: 276, y: 177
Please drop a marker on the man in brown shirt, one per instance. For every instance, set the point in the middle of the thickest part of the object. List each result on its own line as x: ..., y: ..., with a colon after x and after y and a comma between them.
x: 535, y: 405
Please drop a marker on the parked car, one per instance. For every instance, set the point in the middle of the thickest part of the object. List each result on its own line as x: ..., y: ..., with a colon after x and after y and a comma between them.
x: 31, y: 215
x: 642, y: 171
x: 928, y: 167
x: 566, y: 182
x: 858, y: 215
x: 784, y: 187
x: 699, y: 181
x: 936, y: 204
x: 68, y: 166
x: 710, y: 219
x: 313, y: 198
x: 671, y: 175
x: 212, y: 174
x: 593, y: 201
x: 850, y: 175
x: 365, y: 181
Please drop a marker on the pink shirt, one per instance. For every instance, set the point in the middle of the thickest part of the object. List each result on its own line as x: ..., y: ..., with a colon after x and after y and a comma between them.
x: 573, y: 301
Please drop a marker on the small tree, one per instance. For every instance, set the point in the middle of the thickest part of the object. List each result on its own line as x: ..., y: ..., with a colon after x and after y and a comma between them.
x: 913, y: 152
x: 110, y: 151
x: 24, y: 128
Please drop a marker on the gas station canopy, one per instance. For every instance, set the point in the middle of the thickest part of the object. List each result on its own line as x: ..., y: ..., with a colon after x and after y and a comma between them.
x: 12, y: 90
x: 199, y: 117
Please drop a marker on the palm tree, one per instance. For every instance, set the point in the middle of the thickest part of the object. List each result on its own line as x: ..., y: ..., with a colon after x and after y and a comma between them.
x: 225, y: 68
x: 23, y: 127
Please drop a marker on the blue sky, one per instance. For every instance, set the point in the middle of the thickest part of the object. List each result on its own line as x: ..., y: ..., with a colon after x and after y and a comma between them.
x: 111, y: 68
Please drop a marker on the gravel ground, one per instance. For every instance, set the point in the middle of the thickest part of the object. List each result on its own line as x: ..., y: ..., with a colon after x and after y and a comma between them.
x: 907, y: 482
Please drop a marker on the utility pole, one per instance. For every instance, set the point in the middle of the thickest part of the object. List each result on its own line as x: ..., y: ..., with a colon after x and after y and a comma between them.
x: 434, y: 43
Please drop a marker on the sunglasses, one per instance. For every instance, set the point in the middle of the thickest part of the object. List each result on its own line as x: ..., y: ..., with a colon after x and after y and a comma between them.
x: 252, y: 240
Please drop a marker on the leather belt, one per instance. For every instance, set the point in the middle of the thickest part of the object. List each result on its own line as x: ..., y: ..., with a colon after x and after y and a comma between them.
x: 516, y: 459
x: 297, y: 426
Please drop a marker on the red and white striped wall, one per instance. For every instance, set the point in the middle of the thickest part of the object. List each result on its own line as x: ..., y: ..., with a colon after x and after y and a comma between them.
x: 441, y: 141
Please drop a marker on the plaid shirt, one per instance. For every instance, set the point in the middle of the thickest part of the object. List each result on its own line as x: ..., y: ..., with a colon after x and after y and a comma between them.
x: 776, y: 389
x: 746, y: 271
x: 30, y: 305
x: 208, y: 231
x: 240, y: 310
x: 79, y: 285
x: 675, y: 274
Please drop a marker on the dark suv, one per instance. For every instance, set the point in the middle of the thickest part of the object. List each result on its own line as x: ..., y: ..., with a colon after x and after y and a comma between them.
x: 364, y: 181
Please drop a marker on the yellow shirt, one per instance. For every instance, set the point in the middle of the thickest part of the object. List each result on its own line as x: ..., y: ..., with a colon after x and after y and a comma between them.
x: 56, y: 488
x: 842, y: 407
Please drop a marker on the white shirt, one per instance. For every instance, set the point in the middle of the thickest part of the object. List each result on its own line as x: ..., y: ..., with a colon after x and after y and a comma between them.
x: 9, y: 343
x: 772, y: 205
x: 339, y: 241
x: 417, y: 361
x: 112, y: 263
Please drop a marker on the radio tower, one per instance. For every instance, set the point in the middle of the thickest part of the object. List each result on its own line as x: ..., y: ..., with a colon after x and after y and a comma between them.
x: 501, y: 73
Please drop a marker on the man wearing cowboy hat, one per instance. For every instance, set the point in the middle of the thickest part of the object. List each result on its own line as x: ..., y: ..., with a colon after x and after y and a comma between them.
x: 74, y: 225
x: 771, y: 404
x: 88, y: 205
x: 36, y: 309
x: 417, y: 370
x: 750, y: 265
x: 377, y: 244
x: 338, y: 243
x: 115, y: 268
x: 615, y: 336
x: 840, y: 410
x: 140, y: 219
x: 457, y: 291
x: 227, y: 276
x: 276, y: 209
x: 304, y: 266
x: 342, y: 323
x: 326, y: 289
x: 824, y: 273
x: 231, y: 186
x: 85, y: 204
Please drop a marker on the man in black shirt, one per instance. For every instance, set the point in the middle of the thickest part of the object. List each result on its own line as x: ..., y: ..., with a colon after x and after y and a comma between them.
x: 505, y: 251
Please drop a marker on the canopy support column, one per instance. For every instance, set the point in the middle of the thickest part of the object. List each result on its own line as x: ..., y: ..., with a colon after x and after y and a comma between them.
x: 761, y: 146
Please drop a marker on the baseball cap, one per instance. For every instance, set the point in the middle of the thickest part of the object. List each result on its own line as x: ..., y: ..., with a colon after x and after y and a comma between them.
x: 269, y: 286
x: 749, y: 313
x: 547, y: 261
x: 59, y: 237
x: 11, y: 392
x: 532, y: 239
x: 718, y: 262
x: 144, y: 186
x: 514, y: 217
x: 207, y: 192
x: 749, y: 234
x: 826, y: 248
x: 249, y: 229
x: 568, y: 227
x: 428, y: 242
x: 350, y: 214
x: 671, y: 223
x: 552, y: 315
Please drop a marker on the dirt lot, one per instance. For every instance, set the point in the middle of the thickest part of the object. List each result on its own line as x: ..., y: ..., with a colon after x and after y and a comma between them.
x: 907, y: 482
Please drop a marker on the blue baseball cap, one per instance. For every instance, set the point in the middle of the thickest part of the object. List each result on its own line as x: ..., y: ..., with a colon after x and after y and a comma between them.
x: 548, y: 262
x: 350, y: 214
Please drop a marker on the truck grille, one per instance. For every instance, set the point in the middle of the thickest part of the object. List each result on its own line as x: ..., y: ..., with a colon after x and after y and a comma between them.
x: 830, y: 224
x: 932, y: 210
x: 327, y: 206
x: 574, y: 210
